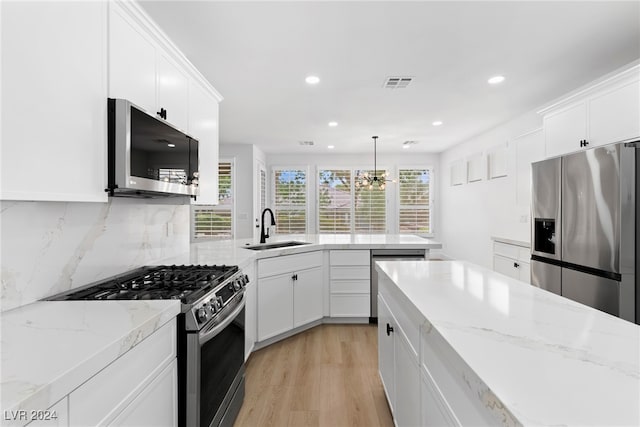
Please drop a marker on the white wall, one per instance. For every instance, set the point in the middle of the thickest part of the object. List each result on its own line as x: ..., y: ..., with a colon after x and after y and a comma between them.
x: 242, y: 156
x: 474, y: 212
x: 387, y: 161
x: 51, y: 247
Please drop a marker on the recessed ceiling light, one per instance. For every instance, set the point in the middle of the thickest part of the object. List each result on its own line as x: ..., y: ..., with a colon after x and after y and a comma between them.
x: 331, y: 147
x: 333, y: 124
x: 437, y: 123
x: 406, y: 145
x: 495, y: 80
x: 171, y: 145
x: 312, y: 80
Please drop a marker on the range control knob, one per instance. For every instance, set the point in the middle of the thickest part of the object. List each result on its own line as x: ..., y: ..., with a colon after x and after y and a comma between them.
x: 210, y: 308
x: 217, y: 303
x: 237, y: 284
x: 202, y: 314
x: 245, y: 280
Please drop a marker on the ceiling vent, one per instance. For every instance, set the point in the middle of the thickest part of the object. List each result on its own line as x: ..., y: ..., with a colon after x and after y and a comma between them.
x: 305, y: 142
x: 407, y: 143
x: 396, y: 82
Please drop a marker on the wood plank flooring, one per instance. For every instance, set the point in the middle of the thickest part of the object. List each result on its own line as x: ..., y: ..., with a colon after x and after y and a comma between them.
x: 325, y: 376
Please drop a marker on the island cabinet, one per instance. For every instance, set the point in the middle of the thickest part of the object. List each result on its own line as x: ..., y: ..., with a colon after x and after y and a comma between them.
x: 602, y: 113
x: 290, y: 293
x: 138, y: 388
x: 513, y: 260
x: 350, y: 283
x: 398, y: 345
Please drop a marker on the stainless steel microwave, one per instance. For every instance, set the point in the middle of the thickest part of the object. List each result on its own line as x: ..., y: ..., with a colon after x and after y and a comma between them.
x: 148, y: 156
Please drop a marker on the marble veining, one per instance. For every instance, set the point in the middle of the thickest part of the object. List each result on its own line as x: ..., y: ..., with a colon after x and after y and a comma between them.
x: 50, y: 348
x: 51, y: 247
x: 541, y: 358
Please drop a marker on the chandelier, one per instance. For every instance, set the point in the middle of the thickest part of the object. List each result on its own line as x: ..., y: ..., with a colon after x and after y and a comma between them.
x: 365, y: 180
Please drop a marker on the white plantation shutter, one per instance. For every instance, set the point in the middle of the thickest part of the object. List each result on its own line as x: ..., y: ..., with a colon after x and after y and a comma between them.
x: 263, y: 189
x: 290, y: 200
x: 414, y: 213
x: 334, y: 201
x: 216, y: 222
x: 370, y: 207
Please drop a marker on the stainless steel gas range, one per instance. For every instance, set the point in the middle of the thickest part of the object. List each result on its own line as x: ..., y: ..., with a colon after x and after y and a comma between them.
x: 211, y: 329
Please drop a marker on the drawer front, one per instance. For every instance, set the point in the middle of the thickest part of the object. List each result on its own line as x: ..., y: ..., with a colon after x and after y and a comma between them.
x: 351, y: 286
x: 348, y: 273
x: 524, y: 254
x: 355, y: 305
x: 509, y: 251
x: 99, y: 400
x: 287, y: 263
x: 350, y: 257
x: 505, y: 266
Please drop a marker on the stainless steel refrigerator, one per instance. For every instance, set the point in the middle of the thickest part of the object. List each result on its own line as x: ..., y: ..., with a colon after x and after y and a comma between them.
x: 585, y: 232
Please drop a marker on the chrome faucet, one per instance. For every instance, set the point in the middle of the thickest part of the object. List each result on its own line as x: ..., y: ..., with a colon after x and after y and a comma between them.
x: 263, y: 235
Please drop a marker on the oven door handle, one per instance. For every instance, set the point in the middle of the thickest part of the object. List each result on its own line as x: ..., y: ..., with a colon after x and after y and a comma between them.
x: 218, y: 328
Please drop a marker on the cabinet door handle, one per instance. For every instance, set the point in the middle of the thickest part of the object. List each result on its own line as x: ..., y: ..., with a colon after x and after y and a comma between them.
x: 162, y: 113
x: 584, y: 143
x: 516, y: 265
x: 294, y: 277
x: 389, y: 329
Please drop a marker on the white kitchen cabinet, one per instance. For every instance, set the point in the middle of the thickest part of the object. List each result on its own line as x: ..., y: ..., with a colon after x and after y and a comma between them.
x: 203, y: 125
x: 135, y: 386
x: 529, y: 149
x: 386, y: 360
x: 54, y: 108
x: 173, y: 91
x: 350, y: 283
x: 435, y: 409
x: 615, y: 114
x: 399, y: 367
x: 251, y: 311
x: 512, y: 260
x: 602, y: 113
x: 289, y: 292
x: 132, y: 60
x: 156, y: 404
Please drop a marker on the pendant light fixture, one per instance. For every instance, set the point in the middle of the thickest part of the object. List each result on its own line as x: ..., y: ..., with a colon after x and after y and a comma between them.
x: 364, y: 180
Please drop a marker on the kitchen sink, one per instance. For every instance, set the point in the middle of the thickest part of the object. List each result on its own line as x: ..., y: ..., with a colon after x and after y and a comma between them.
x: 276, y: 245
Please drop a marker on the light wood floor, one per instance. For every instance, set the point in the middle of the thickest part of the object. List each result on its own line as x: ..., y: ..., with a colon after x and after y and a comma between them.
x: 326, y: 376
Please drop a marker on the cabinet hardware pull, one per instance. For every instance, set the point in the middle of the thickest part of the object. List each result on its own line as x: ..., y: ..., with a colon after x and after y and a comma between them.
x: 294, y: 277
x: 516, y: 265
x: 162, y: 113
x: 389, y: 329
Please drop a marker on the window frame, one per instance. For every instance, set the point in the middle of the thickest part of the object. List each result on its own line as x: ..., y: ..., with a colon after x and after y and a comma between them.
x: 353, y: 169
x: 218, y: 207
x: 430, y: 169
x: 272, y: 192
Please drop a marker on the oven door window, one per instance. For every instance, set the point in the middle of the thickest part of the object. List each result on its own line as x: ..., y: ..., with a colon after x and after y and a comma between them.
x: 221, y: 358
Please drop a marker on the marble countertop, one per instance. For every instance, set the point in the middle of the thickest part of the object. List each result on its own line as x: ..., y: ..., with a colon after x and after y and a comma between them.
x: 547, y: 359
x: 232, y: 252
x: 51, y: 347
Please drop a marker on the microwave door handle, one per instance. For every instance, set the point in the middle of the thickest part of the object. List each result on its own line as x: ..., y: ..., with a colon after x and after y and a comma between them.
x: 218, y: 328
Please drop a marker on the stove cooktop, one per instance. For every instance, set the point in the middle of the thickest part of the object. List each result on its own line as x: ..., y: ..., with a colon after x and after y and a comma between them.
x: 187, y: 283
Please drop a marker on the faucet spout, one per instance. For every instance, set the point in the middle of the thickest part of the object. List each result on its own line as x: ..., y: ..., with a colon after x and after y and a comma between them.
x: 263, y: 235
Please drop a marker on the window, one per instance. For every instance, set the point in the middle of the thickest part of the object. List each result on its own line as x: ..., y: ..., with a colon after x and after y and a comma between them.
x: 216, y: 222
x: 414, y: 206
x: 334, y: 201
x: 345, y: 208
x: 370, y: 207
x: 290, y: 200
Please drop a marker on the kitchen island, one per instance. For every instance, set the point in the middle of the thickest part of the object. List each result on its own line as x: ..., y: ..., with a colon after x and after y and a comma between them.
x: 480, y: 348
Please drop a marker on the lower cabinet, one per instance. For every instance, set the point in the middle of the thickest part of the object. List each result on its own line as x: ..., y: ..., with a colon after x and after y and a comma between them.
x: 251, y: 311
x: 399, y: 368
x: 435, y: 410
x: 139, y: 388
x: 512, y: 260
x: 350, y: 283
x: 290, y: 293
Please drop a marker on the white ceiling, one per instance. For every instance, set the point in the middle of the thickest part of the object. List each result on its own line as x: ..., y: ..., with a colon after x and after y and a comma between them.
x: 257, y: 55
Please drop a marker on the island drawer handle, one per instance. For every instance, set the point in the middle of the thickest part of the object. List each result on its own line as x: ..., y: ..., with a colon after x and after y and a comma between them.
x: 389, y: 329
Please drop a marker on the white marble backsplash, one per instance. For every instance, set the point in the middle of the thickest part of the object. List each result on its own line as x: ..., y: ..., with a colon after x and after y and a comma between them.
x: 50, y: 247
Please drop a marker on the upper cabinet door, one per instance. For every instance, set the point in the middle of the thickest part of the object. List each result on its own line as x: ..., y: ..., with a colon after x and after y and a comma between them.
x: 203, y: 125
x: 54, y: 108
x: 172, y: 92
x: 615, y: 115
x: 564, y: 130
x: 132, y: 62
